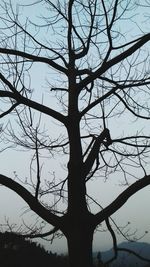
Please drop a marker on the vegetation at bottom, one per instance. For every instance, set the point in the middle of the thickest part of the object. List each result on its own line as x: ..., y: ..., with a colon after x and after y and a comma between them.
x: 18, y: 251
x: 15, y: 251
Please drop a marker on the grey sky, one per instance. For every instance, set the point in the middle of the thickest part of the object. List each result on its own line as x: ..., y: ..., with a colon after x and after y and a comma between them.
x: 135, y: 210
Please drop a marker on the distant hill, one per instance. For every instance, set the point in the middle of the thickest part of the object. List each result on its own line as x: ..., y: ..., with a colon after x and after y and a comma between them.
x: 126, y: 259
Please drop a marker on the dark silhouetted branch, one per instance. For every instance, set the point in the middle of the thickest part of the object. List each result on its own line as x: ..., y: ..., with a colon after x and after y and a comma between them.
x: 121, y: 199
x: 34, y: 58
x: 30, y: 200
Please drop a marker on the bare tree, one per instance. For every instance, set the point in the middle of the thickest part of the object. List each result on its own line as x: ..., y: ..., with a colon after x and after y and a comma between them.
x: 78, y: 116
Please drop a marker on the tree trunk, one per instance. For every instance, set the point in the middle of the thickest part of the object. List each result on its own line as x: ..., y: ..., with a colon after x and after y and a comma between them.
x: 79, y: 230
x: 80, y: 249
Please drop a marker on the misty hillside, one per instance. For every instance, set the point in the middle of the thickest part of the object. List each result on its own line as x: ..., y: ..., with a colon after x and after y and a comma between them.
x: 126, y: 259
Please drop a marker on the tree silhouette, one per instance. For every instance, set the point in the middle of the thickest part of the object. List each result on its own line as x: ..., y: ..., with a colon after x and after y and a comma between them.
x: 81, y: 117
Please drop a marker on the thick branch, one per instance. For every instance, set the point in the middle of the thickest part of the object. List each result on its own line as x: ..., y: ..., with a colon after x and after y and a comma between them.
x: 107, y: 65
x: 35, y: 105
x: 43, y: 109
x: 9, y: 110
x: 121, y: 199
x: 31, y: 201
x: 69, y: 37
x: 95, y: 150
x: 33, y: 58
x: 110, y: 229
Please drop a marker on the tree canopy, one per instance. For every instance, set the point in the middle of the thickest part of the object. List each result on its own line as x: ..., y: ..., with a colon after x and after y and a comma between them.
x: 74, y: 92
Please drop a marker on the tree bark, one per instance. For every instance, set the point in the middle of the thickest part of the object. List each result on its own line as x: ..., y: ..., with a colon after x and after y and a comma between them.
x: 80, y: 248
x: 79, y: 230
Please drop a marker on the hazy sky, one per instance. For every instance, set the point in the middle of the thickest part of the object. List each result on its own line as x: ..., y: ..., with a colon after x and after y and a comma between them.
x: 135, y: 211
